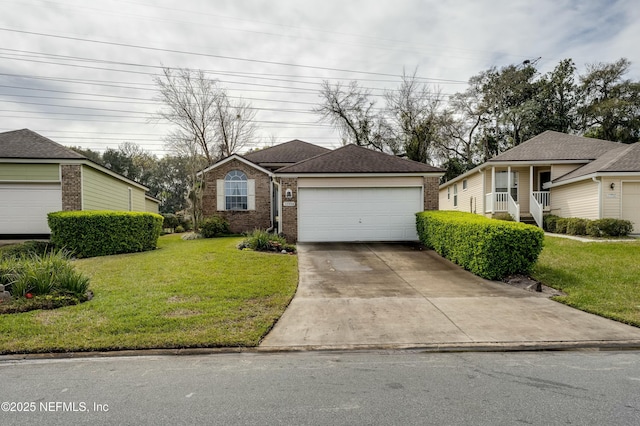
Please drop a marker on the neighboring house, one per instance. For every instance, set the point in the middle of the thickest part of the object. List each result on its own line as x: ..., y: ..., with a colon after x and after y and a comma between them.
x: 38, y: 176
x: 566, y: 175
x: 311, y: 194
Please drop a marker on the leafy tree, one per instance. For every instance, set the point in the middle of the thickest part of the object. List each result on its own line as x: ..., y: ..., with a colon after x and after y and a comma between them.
x: 610, y: 104
x: 94, y: 156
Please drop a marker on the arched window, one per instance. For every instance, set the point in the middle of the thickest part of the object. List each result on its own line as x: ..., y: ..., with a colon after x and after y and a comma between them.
x: 235, y: 190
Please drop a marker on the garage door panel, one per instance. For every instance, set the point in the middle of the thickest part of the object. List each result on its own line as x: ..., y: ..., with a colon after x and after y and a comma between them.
x: 631, y: 204
x: 358, y: 214
x: 24, y: 207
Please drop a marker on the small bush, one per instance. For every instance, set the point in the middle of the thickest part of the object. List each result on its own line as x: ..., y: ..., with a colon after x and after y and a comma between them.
x: 261, y: 240
x: 549, y: 222
x: 214, y: 226
x: 101, y: 233
x: 489, y: 248
x: 609, y: 228
x: 561, y: 225
x: 170, y: 221
x: 577, y: 226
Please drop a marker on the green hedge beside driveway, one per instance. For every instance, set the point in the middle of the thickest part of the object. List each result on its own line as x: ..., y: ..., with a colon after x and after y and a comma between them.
x: 102, y: 233
x: 489, y: 248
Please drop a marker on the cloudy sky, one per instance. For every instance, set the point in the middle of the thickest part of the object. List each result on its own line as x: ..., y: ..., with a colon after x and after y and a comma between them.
x: 81, y: 73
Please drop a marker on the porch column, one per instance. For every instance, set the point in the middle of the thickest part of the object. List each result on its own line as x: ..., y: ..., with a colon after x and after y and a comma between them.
x: 509, y: 181
x: 530, y: 183
x: 493, y: 189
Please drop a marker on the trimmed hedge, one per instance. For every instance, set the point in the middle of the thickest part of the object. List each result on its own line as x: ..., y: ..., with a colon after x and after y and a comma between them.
x: 102, y: 233
x: 491, y: 249
x: 593, y: 228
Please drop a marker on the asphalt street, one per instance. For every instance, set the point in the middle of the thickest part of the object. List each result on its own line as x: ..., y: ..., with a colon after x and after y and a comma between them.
x: 326, y: 388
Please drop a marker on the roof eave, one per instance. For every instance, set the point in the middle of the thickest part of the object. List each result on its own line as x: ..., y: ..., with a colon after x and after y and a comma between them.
x: 234, y: 157
x: 362, y: 174
x: 593, y: 175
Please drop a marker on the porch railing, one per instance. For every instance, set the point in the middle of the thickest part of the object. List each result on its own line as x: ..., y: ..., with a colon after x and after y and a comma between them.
x: 497, y: 202
x: 543, y: 198
x: 512, y: 207
x: 536, y: 209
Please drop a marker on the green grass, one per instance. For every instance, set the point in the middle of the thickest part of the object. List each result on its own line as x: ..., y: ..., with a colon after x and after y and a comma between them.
x: 199, y: 293
x: 602, y: 277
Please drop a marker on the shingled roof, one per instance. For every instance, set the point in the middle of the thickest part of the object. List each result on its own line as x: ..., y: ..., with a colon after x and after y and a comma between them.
x: 288, y: 152
x: 625, y: 158
x: 27, y: 144
x: 357, y: 159
x: 556, y: 146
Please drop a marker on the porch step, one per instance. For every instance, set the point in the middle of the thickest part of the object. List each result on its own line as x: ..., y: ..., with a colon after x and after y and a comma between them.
x: 528, y: 219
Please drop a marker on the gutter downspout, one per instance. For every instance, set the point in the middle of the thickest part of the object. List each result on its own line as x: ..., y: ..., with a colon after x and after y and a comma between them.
x: 599, y: 182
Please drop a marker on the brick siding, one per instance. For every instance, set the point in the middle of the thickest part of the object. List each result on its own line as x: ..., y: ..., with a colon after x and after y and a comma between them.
x: 290, y: 213
x: 71, y: 187
x: 431, y: 195
x: 239, y: 221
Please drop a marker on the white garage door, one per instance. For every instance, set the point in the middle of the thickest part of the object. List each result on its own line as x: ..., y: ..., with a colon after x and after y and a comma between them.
x: 24, y: 207
x: 631, y: 204
x: 358, y: 214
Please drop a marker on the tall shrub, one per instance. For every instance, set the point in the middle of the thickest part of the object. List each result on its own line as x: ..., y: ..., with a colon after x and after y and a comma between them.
x: 101, y: 233
x: 489, y: 248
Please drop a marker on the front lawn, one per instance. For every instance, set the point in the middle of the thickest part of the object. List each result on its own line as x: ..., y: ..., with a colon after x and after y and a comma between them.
x: 602, y: 277
x: 200, y: 293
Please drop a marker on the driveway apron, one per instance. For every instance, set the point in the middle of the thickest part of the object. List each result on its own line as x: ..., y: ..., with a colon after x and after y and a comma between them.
x: 396, y: 295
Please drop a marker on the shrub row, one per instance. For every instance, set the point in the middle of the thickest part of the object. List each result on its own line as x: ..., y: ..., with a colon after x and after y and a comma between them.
x: 491, y: 249
x: 261, y: 240
x: 102, y: 233
x: 593, y: 228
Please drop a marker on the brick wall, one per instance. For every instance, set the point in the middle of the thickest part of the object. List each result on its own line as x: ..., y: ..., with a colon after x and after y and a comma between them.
x: 431, y: 195
x: 290, y: 213
x: 239, y: 221
x: 71, y: 187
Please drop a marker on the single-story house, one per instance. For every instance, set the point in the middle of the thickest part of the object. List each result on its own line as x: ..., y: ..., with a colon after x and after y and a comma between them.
x: 566, y: 175
x: 38, y: 176
x: 313, y: 194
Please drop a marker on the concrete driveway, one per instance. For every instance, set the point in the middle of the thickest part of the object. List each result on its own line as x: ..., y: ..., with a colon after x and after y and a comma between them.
x: 396, y: 295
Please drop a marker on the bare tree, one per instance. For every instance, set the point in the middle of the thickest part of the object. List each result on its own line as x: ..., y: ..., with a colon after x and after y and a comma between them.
x: 204, y: 116
x: 189, y: 98
x: 416, y: 114
x: 234, y: 125
x: 350, y: 109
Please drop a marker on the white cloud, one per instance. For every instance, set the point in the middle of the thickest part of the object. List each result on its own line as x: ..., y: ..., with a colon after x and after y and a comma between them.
x: 444, y: 39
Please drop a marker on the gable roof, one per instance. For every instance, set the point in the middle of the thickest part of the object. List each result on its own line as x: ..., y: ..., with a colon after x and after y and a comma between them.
x: 625, y: 158
x: 27, y: 144
x: 556, y: 146
x: 357, y: 159
x: 287, y: 152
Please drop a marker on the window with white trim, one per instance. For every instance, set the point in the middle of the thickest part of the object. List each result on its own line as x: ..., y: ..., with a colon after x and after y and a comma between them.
x: 235, y: 191
x: 455, y: 195
x: 464, y: 185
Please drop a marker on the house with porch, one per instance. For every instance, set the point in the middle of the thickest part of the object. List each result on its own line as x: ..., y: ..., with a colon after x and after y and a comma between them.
x: 566, y: 175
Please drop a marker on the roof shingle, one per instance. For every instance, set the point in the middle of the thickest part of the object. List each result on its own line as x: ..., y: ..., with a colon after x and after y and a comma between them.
x: 288, y: 152
x: 556, y: 146
x: 357, y: 159
x: 625, y: 158
x: 27, y: 144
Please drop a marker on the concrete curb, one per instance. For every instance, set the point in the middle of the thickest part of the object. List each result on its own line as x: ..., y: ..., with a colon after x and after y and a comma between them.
x: 431, y: 348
